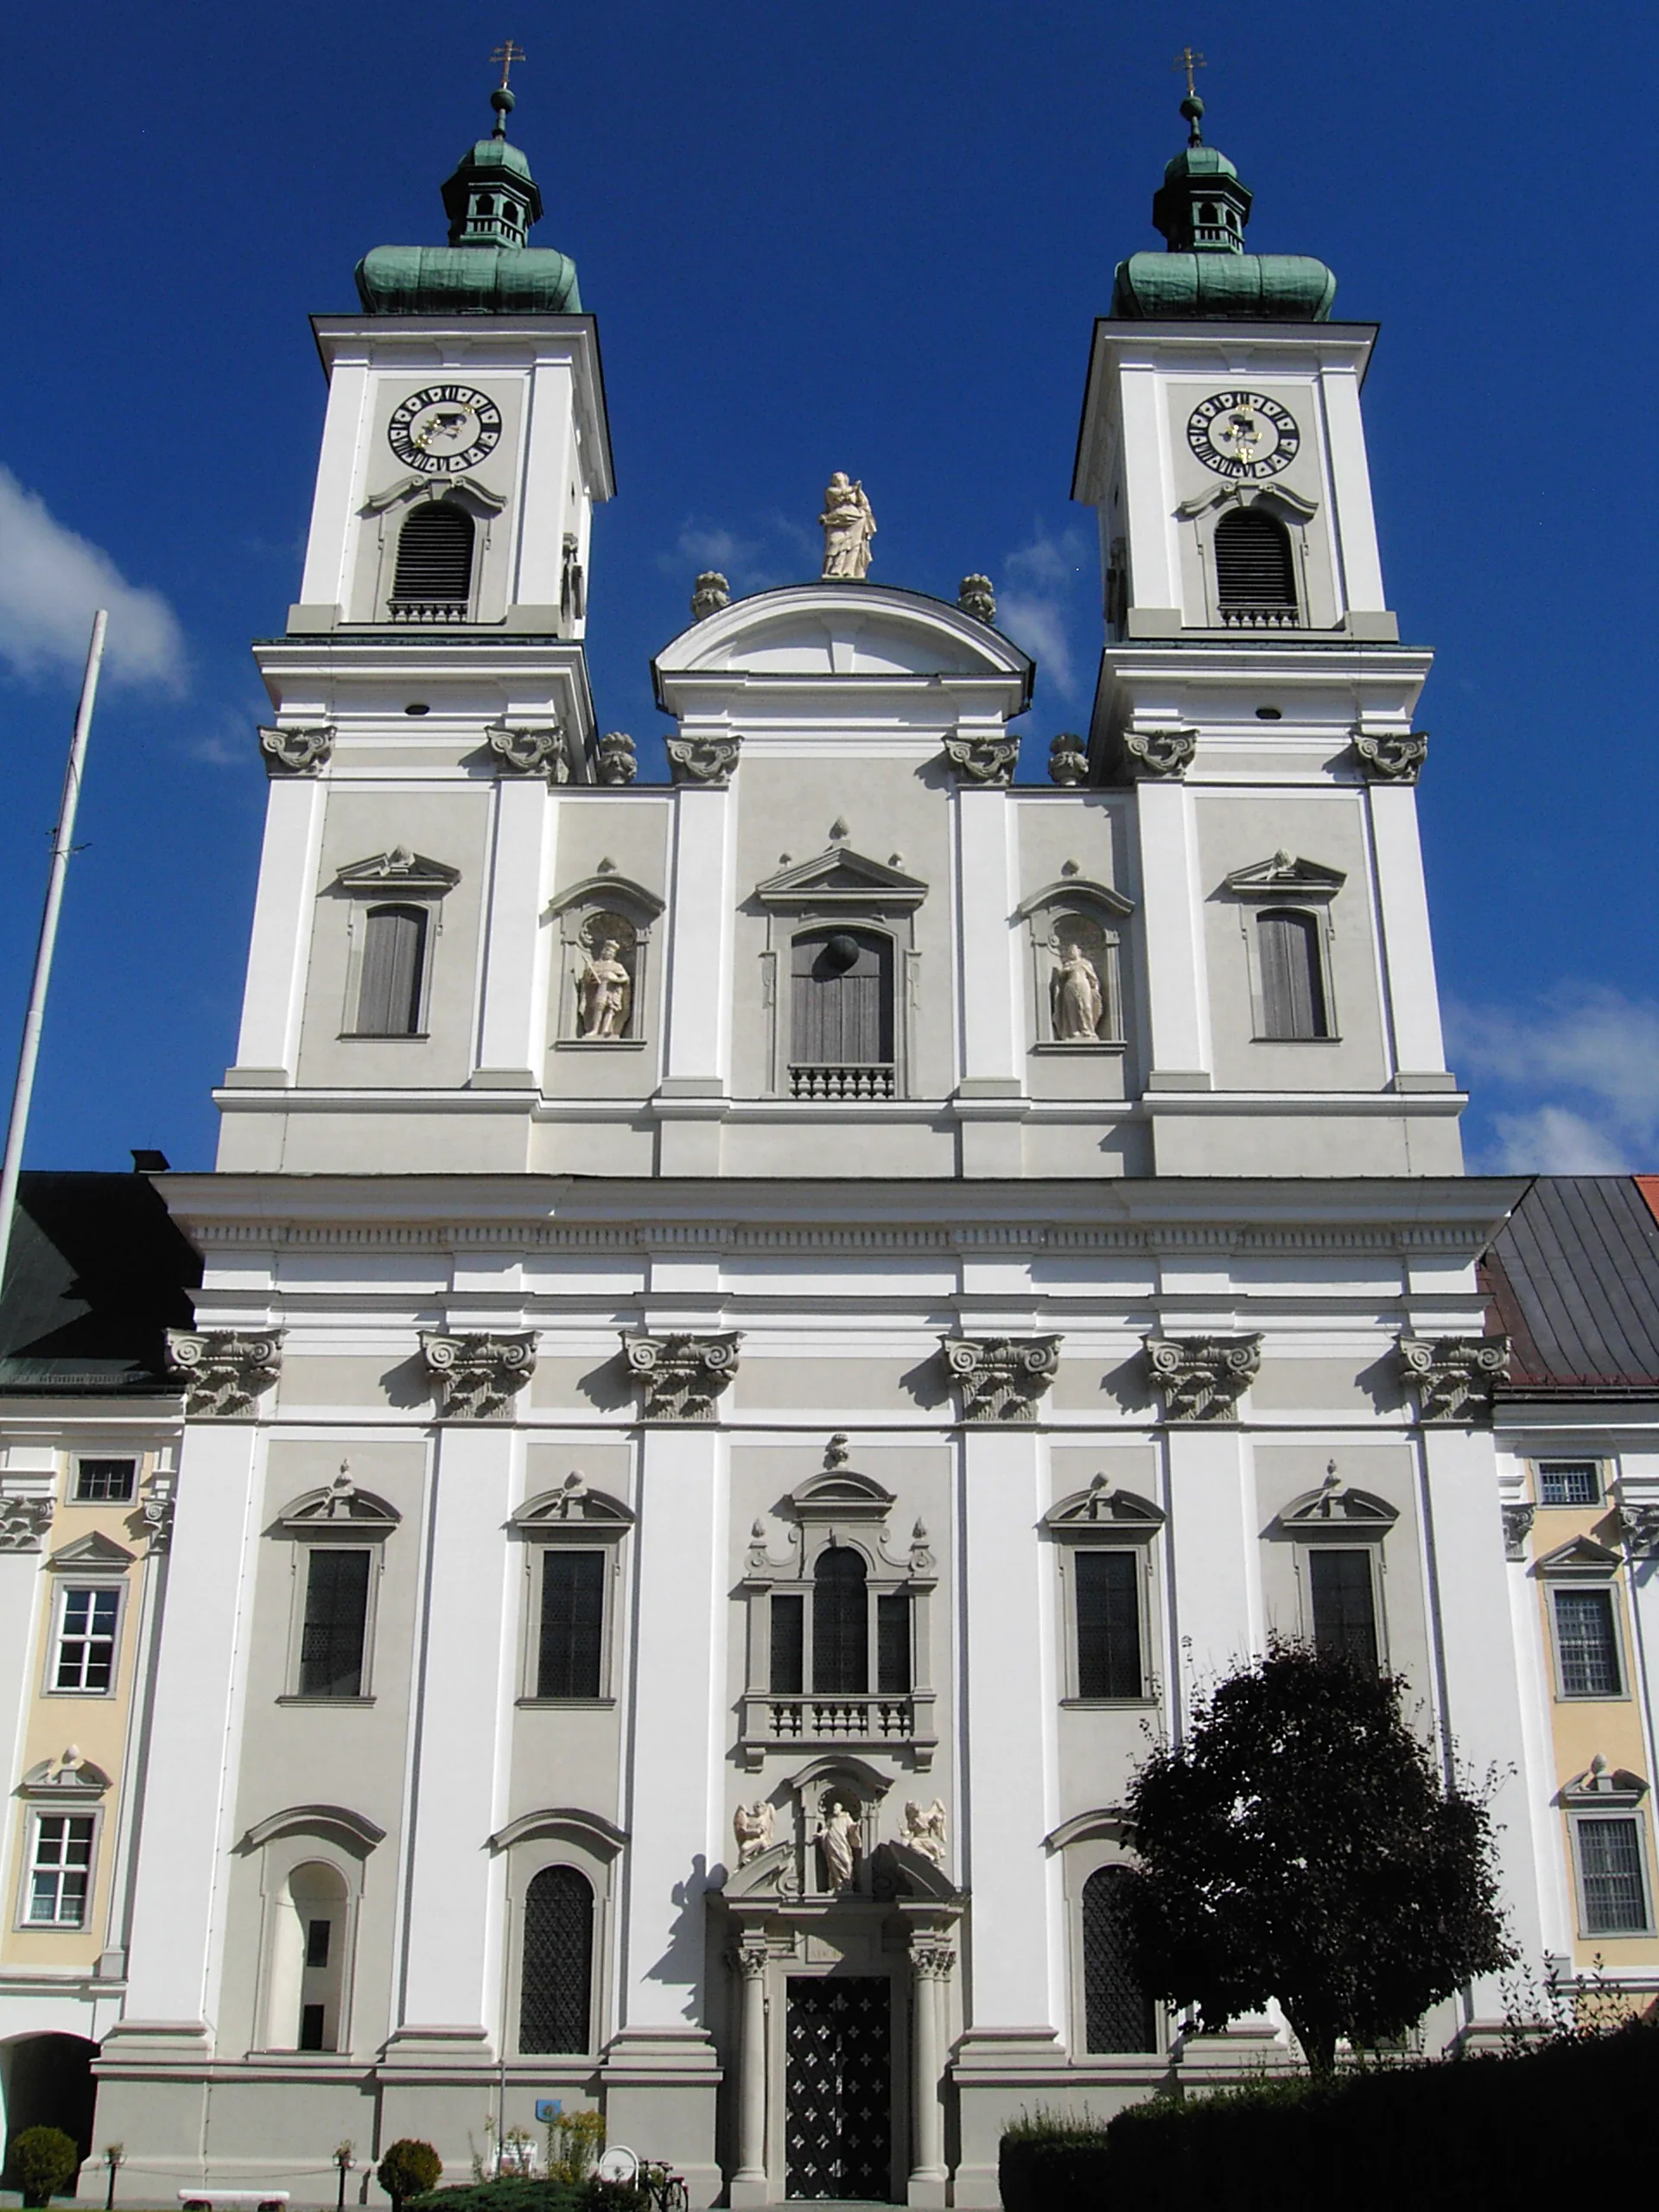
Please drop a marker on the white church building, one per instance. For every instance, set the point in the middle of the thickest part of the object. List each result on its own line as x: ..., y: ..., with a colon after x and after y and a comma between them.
x: 759, y: 1333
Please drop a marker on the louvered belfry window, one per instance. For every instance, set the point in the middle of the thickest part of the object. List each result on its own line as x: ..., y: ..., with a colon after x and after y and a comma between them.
x: 1117, y: 2013
x: 394, y: 956
x: 1253, y: 566
x: 555, y: 1999
x: 434, y: 561
x: 1293, y: 977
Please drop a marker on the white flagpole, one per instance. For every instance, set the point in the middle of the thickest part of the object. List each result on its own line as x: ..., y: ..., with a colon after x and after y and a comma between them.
x: 62, y: 846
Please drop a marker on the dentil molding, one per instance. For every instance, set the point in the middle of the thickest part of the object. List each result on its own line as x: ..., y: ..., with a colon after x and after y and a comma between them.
x: 983, y: 759
x: 477, y: 1375
x: 1203, y: 1378
x: 1454, y: 1376
x: 708, y: 761
x: 1002, y: 1378
x: 225, y: 1372
x: 680, y: 1377
x: 297, y: 752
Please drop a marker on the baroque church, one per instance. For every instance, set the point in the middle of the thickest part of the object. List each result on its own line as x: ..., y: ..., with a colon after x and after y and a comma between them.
x: 751, y: 1336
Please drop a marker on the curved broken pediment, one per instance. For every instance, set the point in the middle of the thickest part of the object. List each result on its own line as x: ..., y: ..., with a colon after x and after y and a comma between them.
x: 840, y: 629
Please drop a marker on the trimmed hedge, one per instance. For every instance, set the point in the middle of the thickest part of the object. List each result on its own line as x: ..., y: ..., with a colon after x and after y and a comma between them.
x: 1498, y: 2130
x: 509, y: 2193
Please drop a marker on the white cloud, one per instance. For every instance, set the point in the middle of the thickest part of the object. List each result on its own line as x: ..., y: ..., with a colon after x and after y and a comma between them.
x: 1045, y: 574
x: 52, y: 581
x: 1038, y: 626
x: 1583, y: 1061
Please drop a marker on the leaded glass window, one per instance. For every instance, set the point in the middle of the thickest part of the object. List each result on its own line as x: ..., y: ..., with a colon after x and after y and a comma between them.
x: 570, y: 1656
x: 1344, y: 1604
x: 1118, y: 2014
x: 556, y: 1997
x: 840, y: 1624
x: 1108, y: 1598
x: 336, y: 1624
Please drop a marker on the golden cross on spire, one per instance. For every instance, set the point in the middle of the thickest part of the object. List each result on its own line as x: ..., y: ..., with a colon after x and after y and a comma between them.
x: 506, y: 55
x: 1188, y: 60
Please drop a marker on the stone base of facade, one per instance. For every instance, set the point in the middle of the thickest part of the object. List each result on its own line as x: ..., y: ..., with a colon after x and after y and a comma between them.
x: 660, y: 2087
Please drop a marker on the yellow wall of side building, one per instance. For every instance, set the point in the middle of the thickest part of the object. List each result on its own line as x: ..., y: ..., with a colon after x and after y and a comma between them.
x: 97, y: 1725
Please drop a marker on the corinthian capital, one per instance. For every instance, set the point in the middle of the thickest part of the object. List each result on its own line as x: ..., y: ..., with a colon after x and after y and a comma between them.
x: 983, y: 759
x: 1203, y: 1378
x: 1162, y: 755
x: 297, y: 752
x: 477, y: 1375
x: 1392, y: 760
x: 1454, y: 1376
x: 1002, y: 1378
x: 225, y: 1372
x: 703, y: 759
x: 530, y: 752
x: 680, y: 1377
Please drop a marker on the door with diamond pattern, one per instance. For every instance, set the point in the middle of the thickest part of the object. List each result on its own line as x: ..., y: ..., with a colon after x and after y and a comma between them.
x: 838, y: 2076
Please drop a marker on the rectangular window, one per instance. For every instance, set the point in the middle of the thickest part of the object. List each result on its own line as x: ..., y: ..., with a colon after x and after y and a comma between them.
x: 86, y: 1641
x: 104, y: 1482
x: 1587, y: 1643
x: 317, y: 1933
x: 336, y: 1624
x: 311, y: 2021
x: 60, y: 1870
x: 571, y: 1658
x: 1292, y: 976
x: 1569, y: 1482
x: 1610, y: 1866
x: 394, y: 960
x: 1109, y: 1624
x: 788, y: 1623
x: 892, y: 1643
x: 1345, y: 1606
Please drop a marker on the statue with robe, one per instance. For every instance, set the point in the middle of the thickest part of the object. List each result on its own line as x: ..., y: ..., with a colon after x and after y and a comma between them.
x: 1077, y: 1001
x: 837, y: 1839
x: 848, y: 527
x: 602, y: 993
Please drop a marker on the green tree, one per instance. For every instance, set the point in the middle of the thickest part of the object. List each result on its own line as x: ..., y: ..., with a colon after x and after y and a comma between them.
x: 1300, y: 1845
x: 408, y: 2168
x: 43, y: 2158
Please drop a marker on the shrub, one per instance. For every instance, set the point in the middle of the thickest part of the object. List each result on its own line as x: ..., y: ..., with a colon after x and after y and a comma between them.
x: 408, y: 2168
x: 43, y: 2158
x: 513, y: 2194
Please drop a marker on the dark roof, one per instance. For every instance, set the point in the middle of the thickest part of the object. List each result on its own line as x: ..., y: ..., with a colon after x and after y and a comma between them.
x: 1572, y: 1279
x: 96, y: 1275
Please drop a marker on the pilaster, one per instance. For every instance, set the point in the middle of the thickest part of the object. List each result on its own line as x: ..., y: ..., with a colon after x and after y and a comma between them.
x: 1215, y: 1614
x: 697, y: 1080
x: 1178, y: 982
x: 279, y: 952
x: 1407, y: 946
x: 511, y: 1039
x: 989, y: 1101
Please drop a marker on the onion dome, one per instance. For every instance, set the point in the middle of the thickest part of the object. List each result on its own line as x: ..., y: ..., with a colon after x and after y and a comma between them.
x: 1202, y: 208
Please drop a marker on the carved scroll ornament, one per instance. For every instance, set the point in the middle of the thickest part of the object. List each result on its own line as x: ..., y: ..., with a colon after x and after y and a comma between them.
x: 1002, y: 1378
x: 1391, y: 759
x: 1640, y: 1524
x: 225, y: 1372
x: 24, y: 1521
x: 1159, y: 754
x: 1203, y: 1378
x: 680, y: 1377
x: 297, y: 752
x: 983, y: 759
x: 538, y: 751
x: 1517, y: 1527
x: 477, y: 1376
x: 1454, y: 1376
x: 708, y: 761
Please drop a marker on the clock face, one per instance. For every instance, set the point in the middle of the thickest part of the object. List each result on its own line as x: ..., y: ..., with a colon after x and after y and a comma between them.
x: 1242, y: 434
x: 445, y: 429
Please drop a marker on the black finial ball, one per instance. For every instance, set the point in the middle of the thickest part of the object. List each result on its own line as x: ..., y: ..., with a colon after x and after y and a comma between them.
x: 1192, y: 107
x: 841, y: 952
x: 502, y: 101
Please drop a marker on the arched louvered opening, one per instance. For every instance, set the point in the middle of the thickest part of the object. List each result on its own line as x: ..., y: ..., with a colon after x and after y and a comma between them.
x: 1255, y: 570
x: 841, y: 1015
x: 1118, y: 2014
x: 434, y: 581
x: 390, y: 987
x: 1293, y: 974
x: 840, y: 1624
x: 557, y: 1987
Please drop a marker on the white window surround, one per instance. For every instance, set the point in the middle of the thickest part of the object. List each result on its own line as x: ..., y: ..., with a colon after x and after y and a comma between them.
x: 57, y: 1843
x: 1602, y: 1794
x: 1105, y: 1518
x: 1295, y: 886
x: 1085, y: 1844
x: 339, y: 1516
x: 838, y: 887
x: 93, y: 1563
x: 330, y: 1836
x: 397, y: 878
x: 392, y: 508
x: 579, y: 912
x: 1601, y: 1473
x: 562, y: 1836
x: 83, y: 1466
x: 1203, y: 511
x: 573, y: 1516
x: 1105, y: 912
x: 1584, y: 1564
x: 70, y: 1786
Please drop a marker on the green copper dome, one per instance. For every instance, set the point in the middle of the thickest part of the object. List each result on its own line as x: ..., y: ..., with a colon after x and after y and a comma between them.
x: 491, y: 199
x: 1202, y: 208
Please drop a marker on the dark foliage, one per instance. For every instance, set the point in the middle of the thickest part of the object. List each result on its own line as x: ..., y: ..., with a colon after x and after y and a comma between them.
x: 1438, y: 2137
x: 510, y: 2194
x: 43, y: 2159
x: 408, y: 2167
x: 1300, y: 1845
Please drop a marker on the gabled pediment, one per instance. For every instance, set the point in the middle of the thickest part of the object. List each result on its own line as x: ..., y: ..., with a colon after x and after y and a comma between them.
x: 1282, y: 877
x: 386, y: 873
x: 841, y: 876
x: 842, y: 1496
x: 92, y: 1552
x: 1604, y: 1785
x: 1103, y: 1509
x: 69, y: 1776
x: 1582, y: 1556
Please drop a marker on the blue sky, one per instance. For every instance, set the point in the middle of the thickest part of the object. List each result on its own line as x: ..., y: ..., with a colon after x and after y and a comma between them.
x: 819, y: 237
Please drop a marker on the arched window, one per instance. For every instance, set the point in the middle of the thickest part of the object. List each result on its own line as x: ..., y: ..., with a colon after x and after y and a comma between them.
x: 435, y: 562
x: 1293, y: 974
x: 308, y: 1961
x: 389, y: 987
x: 556, y: 1997
x: 1117, y: 2013
x: 1255, y: 574
x: 841, y: 1015
x: 841, y: 1624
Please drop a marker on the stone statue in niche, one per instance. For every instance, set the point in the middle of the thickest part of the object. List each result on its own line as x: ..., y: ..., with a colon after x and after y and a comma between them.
x: 837, y: 1839
x: 1076, y: 1003
x: 848, y: 527
x: 752, y: 1826
x: 602, y: 993
x: 925, y: 1831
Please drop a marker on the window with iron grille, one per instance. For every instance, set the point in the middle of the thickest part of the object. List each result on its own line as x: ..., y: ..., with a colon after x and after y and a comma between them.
x: 844, y: 1656
x: 60, y: 1869
x: 335, y: 1629
x: 1107, y: 1599
x: 85, y: 1660
x: 556, y: 1998
x: 1569, y: 1482
x: 1343, y: 1602
x: 389, y: 982
x: 1118, y: 2014
x: 1586, y: 1644
x: 1610, y: 1871
x: 101, y: 1482
x: 435, y: 559
x: 1292, y: 976
x: 570, y: 1655
x: 1256, y: 568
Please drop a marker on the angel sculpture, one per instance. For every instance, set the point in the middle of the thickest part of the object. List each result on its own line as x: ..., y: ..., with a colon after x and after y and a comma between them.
x: 752, y: 1825
x: 925, y: 1831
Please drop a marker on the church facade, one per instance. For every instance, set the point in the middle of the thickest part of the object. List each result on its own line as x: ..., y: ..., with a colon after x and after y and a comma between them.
x: 757, y: 1333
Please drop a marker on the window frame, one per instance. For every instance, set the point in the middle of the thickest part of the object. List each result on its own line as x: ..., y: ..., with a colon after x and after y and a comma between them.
x: 1105, y: 1518
x: 1599, y: 1468
x: 1085, y: 1845
x: 339, y: 1517
x: 35, y: 1814
x: 133, y: 1461
x: 816, y: 894
x: 1145, y: 1590
x: 590, y: 1846
x: 1557, y: 1586
x: 307, y: 1552
x: 67, y: 1582
x: 1579, y: 1817
x: 363, y: 920
x: 572, y: 1516
x: 1293, y: 886
x: 805, y: 930
x: 1371, y: 1548
x: 439, y: 496
x: 397, y: 878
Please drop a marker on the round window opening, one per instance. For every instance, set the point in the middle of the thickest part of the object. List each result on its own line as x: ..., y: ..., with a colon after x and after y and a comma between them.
x: 840, y: 951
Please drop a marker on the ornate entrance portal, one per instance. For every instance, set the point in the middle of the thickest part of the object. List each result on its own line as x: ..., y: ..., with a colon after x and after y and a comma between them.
x: 838, y: 2087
